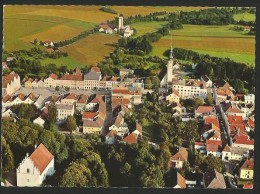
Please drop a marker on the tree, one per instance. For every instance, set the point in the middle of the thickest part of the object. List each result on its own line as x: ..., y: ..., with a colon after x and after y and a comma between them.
x: 71, y: 123
x: 7, y: 156
x: 35, y: 41
x: 57, y: 88
x: 25, y: 111
x: 209, y: 99
x: 148, y: 83
x: 76, y: 175
x: 52, y: 113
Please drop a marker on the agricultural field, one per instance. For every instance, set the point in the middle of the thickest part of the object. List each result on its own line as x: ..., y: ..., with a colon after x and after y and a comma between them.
x: 219, y: 41
x: 92, y: 49
x: 146, y: 27
x: 244, y: 16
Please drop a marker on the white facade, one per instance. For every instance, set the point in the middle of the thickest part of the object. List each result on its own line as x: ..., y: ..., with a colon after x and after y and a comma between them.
x: 63, y: 111
x: 250, y: 99
x: 120, y: 23
x: 30, y: 176
x: 39, y: 121
x: 190, y: 91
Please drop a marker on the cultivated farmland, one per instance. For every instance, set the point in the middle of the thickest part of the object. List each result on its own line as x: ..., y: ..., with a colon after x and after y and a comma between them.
x: 92, y: 49
x: 219, y: 41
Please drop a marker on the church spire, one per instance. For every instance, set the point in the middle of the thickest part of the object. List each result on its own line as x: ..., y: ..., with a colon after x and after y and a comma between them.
x: 171, y: 57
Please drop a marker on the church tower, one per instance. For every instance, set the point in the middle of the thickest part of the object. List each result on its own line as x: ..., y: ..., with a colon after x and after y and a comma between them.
x: 170, y: 66
x: 120, y: 22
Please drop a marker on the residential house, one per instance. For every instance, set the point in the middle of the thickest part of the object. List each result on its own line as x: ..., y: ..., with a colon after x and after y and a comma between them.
x: 48, y: 43
x: 243, y: 141
x: 18, y: 99
x: 69, y: 98
x: 131, y: 138
x: 125, y: 72
x: 174, y: 96
x: 119, y: 125
x: 234, y: 153
x: 51, y: 81
x: 93, y: 126
x: 39, y: 120
x: 204, y: 110
x: 93, y: 102
x: 131, y: 93
x: 30, y: 99
x: 39, y: 102
x: 10, y: 83
x: 247, y: 170
x: 214, y: 180
x: 89, y: 115
x: 208, y: 82
x: 111, y: 137
x: 64, y: 110
x: 81, y: 102
x: 7, y: 113
x: 178, y: 159
x: 249, y: 99
x: 28, y: 83
x: 33, y: 170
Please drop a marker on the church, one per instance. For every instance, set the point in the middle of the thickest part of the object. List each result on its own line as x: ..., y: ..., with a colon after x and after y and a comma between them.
x: 33, y: 170
x: 167, y: 80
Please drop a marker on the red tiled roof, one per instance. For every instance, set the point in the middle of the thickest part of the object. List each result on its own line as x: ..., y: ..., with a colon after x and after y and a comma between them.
x: 21, y: 96
x: 181, y: 155
x: 41, y: 157
x: 132, y: 138
x: 213, y: 147
x: 8, y: 79
x: 214, y: 142
x: 248, y: 164
x: 32, y: 96
x: 111, y: 133
x: 89, y: 115
x: 200, y: 143
x: 248, y: 186
x: 211, y: 119
x: 116, y: 101
x: 235, y: 120
x: 53, y: 76
x: 204, y: 109
x: 125, y: 91
x: 243, y: 139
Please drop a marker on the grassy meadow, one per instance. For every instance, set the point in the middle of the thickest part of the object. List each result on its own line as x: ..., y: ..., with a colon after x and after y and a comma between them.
x: 244, y: 16
x: 219, y: 41
x: 146, y: 27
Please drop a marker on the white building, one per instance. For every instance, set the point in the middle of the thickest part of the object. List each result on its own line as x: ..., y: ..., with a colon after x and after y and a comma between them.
x: 39, y: 121
x: 10, y: 83
x: 33, y: 170
x: 167, y: 79
x: 250, y: 99
x: 63, y: 111
x: 92, y: 78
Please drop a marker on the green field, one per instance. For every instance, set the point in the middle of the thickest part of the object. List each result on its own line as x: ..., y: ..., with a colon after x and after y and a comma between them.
x: 219, y: 41
x: 244, y: 16
x: 147, y: 27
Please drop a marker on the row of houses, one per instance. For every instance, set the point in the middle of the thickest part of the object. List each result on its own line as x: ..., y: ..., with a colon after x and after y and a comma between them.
x: 91, y: 80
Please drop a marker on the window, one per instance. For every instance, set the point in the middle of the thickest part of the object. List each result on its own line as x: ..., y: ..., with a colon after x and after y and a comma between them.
x: 28, y: 180
x: 28, y: 171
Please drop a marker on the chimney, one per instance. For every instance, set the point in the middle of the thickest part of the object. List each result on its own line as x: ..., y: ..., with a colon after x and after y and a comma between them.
x: 35, y: 146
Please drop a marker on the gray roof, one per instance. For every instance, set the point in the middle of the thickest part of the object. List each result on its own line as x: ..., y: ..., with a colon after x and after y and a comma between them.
x: 214, y: 180
x: 238, y: 150
x: 92, y: 75
x: 96, y: 123
x: 63, y: 106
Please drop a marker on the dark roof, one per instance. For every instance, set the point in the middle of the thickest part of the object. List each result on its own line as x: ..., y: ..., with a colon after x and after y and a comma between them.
x: 92, y: 75
x: 214, y: 180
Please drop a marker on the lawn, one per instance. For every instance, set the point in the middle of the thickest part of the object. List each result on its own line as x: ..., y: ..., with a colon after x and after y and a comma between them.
x: 220, y: 41
x: 92, y: 49
x: 146, y: 27
x: 244, y: 16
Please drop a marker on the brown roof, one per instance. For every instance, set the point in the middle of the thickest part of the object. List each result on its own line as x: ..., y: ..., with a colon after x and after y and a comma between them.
x: 119, y: 100
x: 204, y: 109
x: 32, y: 96
x: 181, y: 155
x: 111, y: 133
x: 83, y: 98
x: 227, y: 148
x: 6, y: 98
x: 213, y: 148
x: 211, y: 119
x: 118, y: 120
x: 130, y: 139
x: 214, y: 180
x: 214, y: 142
x: 72, y: 77
x: 53, y: 76
x: 71, y: 96
x: 8, y: 78
x: 41, y: 157
x: 96, y: 123
x: 248, y: 164
x: 181, y: 181
x: 96, y: 69
x: 21, y: 96
x: 30, y: 80
x: 125, y: 91
x: 139, y: 127
x: 89, y: 115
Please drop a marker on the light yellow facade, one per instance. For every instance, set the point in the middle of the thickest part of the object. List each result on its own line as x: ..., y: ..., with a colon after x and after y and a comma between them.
x: 246, y: 174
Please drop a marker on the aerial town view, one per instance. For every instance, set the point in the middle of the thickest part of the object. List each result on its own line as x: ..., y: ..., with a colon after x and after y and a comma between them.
x: 128, y: 96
